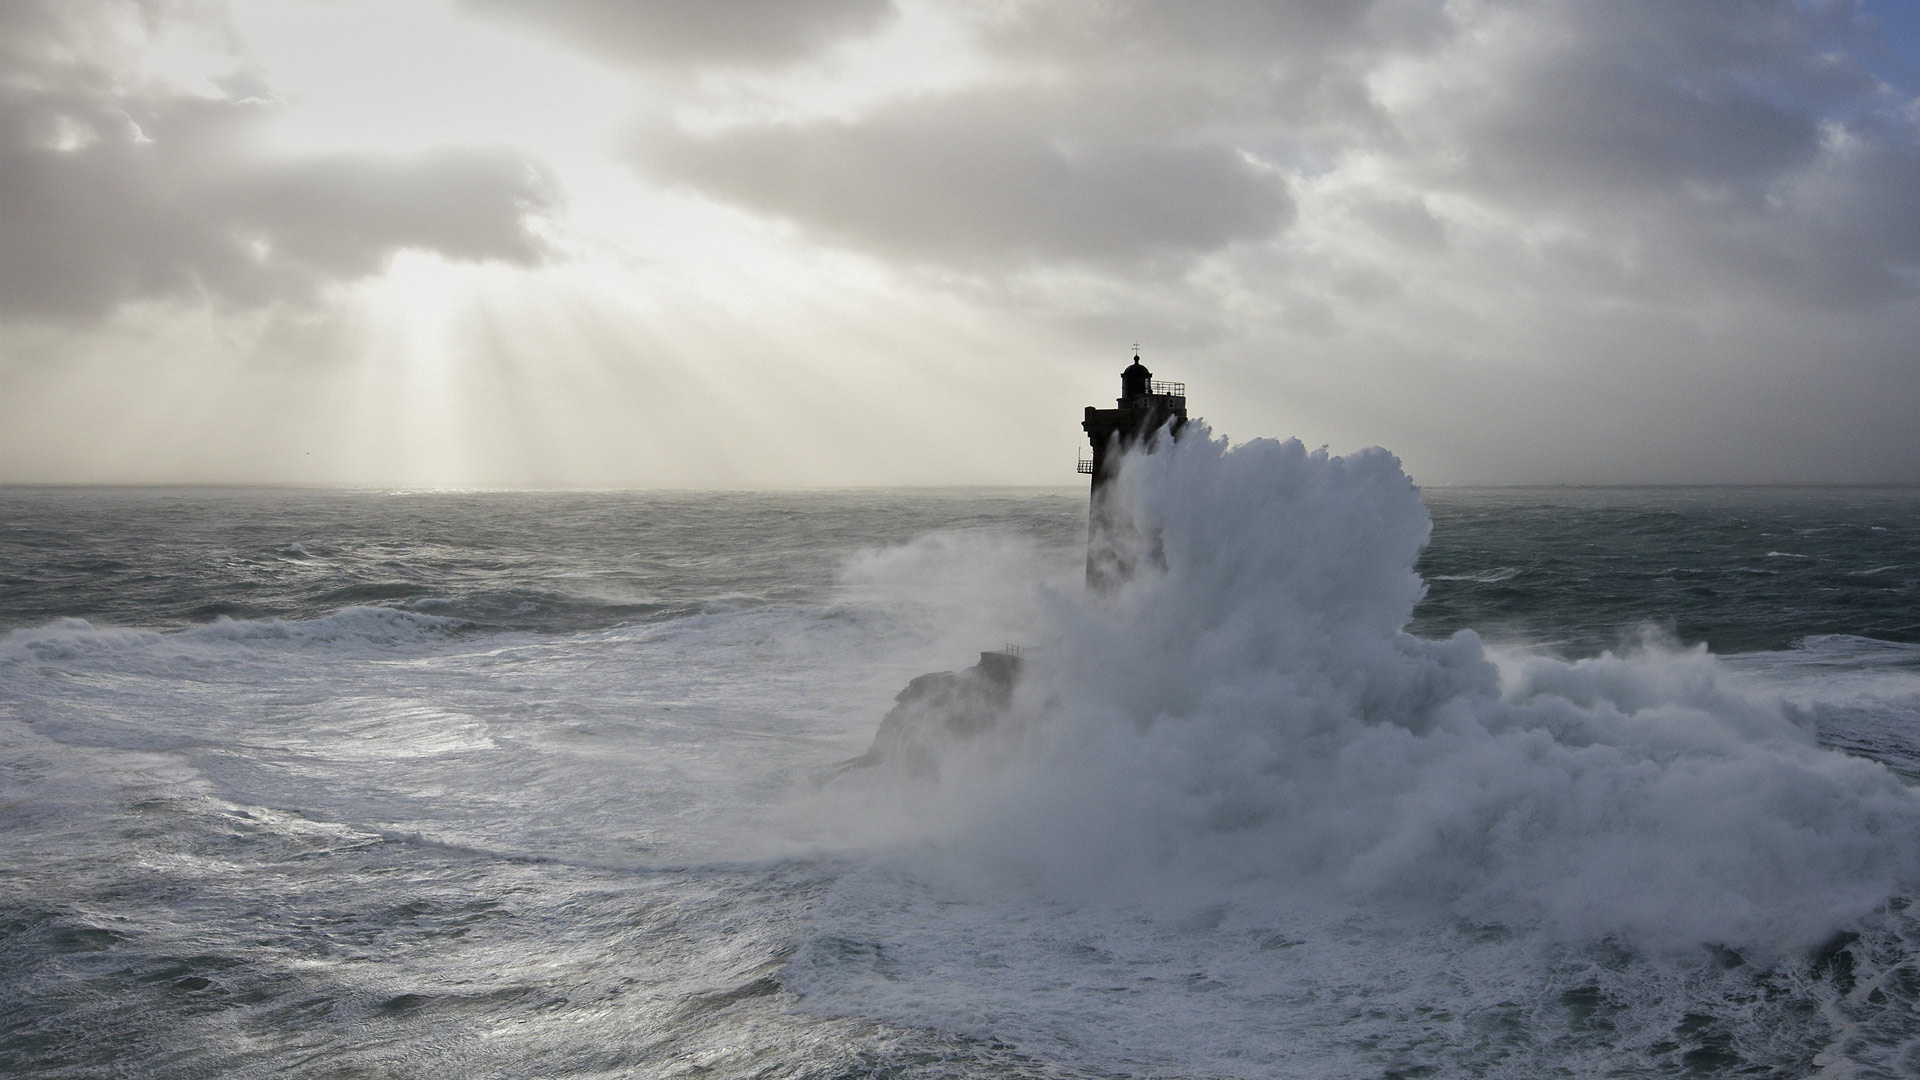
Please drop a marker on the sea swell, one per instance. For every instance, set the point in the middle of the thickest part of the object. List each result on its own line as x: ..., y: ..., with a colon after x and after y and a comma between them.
x: 1243, y: 819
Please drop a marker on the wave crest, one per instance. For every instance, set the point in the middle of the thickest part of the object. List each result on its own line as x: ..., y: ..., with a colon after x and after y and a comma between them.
x: 1257, y: 711
x: 78, y: 639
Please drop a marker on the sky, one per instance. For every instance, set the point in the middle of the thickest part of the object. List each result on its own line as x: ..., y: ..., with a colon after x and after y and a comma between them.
x: 780, y: 243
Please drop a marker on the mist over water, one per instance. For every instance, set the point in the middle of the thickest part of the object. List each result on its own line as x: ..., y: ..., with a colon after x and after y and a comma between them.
x: 1229, y: 771
x: 446, y: 785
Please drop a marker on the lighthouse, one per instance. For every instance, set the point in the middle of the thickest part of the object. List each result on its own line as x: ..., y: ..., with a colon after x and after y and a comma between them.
x: 1144, y: 407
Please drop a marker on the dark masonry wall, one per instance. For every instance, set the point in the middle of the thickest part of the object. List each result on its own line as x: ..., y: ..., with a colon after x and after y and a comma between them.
x: 1145, y: 406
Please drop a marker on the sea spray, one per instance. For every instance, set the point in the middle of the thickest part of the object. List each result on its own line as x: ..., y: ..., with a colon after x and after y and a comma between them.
x: 1228, y: 768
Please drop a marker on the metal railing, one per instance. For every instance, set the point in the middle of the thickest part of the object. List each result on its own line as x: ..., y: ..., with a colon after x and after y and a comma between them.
x: 1085, y: 466
x: 1169, y: 389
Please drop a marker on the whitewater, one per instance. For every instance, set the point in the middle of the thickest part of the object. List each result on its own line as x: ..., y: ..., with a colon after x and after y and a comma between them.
x: 1356, y: 784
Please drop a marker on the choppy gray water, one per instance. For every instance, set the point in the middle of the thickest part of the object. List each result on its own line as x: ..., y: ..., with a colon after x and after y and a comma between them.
x: 438, y: 785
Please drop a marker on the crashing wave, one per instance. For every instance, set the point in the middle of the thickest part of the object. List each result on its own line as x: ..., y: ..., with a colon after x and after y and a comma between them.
x: 1254, y: 709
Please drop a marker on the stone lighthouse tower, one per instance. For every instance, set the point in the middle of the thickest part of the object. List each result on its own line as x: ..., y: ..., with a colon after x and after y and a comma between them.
x: 1144, y: 407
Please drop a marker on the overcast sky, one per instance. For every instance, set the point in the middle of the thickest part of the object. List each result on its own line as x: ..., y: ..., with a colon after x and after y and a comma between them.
x: 586, y: 243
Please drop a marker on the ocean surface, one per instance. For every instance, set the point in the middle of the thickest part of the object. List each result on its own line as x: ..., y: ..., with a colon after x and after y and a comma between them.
x: 1593, y: 782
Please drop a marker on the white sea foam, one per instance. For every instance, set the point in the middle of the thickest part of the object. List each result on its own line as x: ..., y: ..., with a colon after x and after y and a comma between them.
x: 1257, y: 709
x: 352, y: 628
x: 1484, y: 577
x: 1247, y: 747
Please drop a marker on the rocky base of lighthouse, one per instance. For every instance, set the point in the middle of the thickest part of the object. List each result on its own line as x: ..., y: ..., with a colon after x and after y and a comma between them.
x: 941, y: 708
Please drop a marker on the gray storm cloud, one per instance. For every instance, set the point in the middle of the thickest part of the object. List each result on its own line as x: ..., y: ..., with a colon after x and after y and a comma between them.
x: 696, y: 32
x: 1276, y: 44
x: 114, y: 191
x: 1741, y: 151
x: 1140, y: 130
x: 985, y: 177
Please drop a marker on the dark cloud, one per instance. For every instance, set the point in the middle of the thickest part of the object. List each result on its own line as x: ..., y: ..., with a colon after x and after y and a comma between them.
x: 1705, y: 139
x: 1406, y: 221
x: 1129, y: 130
x: 114, y: 192
x: 1734, y: 149
x: 697, y: 32
x: 1164, y: 35
x: 984, y: 177
x: 1646, y: 97
x: 1845, y: 231
x: 1283, y: 73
